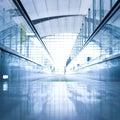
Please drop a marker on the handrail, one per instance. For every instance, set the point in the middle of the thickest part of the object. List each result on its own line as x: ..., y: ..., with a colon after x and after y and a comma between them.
x: 104, y: 60
x: 8, y: 50
x: 28, y: 20
x: 113, y: 10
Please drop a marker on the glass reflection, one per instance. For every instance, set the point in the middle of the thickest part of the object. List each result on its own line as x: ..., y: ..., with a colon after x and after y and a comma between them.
x: 59, y: 105
x: 71, y: 98
x: 104, y: 45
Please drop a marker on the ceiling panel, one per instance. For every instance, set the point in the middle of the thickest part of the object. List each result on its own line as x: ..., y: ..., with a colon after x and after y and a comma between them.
x: 45, y: 9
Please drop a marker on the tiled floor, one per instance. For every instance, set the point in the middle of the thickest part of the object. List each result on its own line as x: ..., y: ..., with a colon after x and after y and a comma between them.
x: 59, y: 98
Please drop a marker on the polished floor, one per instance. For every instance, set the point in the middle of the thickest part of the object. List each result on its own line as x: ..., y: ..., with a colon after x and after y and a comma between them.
x: 59, y: 98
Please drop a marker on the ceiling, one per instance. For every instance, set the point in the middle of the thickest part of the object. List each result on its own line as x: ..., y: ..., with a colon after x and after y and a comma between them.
x: 52, y: 17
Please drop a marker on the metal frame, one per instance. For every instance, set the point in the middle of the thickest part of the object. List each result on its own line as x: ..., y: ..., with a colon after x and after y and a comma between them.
x: 40, y: 20
x: 101, y: 9
x: 94, y: 14
x: 28, y: 20
x: 114, y: 9
x: 89, y: 23
x: 8, y: 50
x: 85, y: 29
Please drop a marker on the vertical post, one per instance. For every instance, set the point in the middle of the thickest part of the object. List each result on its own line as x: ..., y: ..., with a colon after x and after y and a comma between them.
x: 82, y: 34
x: 10, y: 46
x: 0, y: 66
x: 110, y: 43
x: 101, y: 10
x: 94, y: 14
x: 16, y: 37
x: 11, y: 28
x: 85, y: 28
x: 89, y: 24
x: 27, y: 46
x: 3, y: 42
x: 111, y: 3
x: 20, y: 40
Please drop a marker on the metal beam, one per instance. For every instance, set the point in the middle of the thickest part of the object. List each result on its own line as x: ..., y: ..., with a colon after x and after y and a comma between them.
x: 28, y: 20
x: 12, y: 52
x: 40, y: 20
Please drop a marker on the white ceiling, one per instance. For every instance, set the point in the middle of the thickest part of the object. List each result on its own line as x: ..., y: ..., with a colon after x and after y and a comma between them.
x: 43, y: 9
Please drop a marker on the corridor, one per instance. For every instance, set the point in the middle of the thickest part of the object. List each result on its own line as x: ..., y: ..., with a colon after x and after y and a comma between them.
x: 59, y: 60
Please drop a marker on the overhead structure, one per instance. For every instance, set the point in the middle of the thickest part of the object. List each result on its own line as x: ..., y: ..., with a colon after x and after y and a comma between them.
x: 56, y: 16
x: 50, y: 18
x: 28, y: 20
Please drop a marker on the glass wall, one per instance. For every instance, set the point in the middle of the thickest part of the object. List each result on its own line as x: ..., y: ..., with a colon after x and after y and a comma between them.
x: 104, y: 45
x: 96, y: 13
x: 15, y: 34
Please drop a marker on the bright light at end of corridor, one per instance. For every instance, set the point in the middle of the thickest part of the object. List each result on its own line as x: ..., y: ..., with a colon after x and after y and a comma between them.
x: 60, y: 46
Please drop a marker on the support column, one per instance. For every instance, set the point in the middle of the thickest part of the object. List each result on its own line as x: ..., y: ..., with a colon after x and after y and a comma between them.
x: 20, y: 40
x: 0, y: 64
x: 111, y: 3
x: 94, y: 14
x: 101, y: 10
x: 11, y: 39
x: 85, y: 29
x: 89, y: 24
x: 16, y: 37
x: 82, y: 34
x: 3, y: 41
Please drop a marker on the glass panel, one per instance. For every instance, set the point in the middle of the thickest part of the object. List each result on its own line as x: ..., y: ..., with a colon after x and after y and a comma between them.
x: 16, y: 34
x: 106, y: 6
x: 97, y: 12
x: 105, y: 44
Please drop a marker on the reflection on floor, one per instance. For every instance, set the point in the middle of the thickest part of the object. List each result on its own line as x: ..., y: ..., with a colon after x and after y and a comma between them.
x: 59, y: 98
